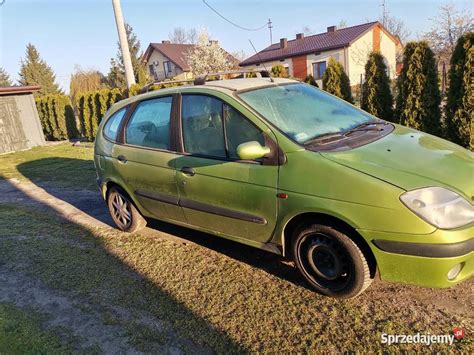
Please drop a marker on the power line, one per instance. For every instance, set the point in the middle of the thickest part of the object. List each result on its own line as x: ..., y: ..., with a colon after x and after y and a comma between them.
x: 233, y: 23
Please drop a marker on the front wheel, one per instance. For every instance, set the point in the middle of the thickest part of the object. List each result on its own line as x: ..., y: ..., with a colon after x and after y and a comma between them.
x: 331, y: 262
x: 124, y: 213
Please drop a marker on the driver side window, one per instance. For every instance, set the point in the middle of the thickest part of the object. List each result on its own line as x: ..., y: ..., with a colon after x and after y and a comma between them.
x: 204, y: 119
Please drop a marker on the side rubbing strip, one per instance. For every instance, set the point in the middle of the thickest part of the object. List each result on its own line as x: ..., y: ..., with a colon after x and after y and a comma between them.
x: 204, y: 207
x: 157, y: 196
x: 199, y: 206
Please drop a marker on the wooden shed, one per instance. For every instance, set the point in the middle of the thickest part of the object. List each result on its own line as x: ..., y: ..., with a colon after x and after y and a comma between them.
x: 20, y: 127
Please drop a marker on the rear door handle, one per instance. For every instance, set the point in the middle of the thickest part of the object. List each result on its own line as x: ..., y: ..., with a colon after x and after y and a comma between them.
x: 188, y: 171
x: 122, y: 159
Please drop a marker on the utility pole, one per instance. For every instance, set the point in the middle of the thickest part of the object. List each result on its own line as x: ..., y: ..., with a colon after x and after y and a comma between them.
x: 269, y: 23
x: 127, y: 61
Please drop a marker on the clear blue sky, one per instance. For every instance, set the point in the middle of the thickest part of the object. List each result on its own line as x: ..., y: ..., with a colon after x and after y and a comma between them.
x: 83, y: 32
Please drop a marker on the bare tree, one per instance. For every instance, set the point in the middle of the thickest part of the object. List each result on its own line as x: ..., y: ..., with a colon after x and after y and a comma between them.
x: 181, y: 35
x: 448, y: 26
x: 396, y: 27
x: 239, y: 55
x: 342, y: 24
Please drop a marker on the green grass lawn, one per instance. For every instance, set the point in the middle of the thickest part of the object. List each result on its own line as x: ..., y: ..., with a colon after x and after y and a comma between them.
x: 60, y: 165
x: 21, y: 333
x: 217, y: 294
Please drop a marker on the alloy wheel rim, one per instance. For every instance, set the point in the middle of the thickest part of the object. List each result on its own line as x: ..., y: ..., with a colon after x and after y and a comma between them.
x: 121, y: 210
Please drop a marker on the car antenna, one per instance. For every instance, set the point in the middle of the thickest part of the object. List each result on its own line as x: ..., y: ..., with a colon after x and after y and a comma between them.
x: 258, y: 56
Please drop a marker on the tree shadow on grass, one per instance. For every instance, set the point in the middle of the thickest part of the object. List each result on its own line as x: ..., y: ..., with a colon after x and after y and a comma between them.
x: 93, y: 205
x: 42, y: 243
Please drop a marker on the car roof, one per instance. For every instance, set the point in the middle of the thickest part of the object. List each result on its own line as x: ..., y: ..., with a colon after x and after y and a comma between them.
x: 246, y: 84
x: 218, y: 85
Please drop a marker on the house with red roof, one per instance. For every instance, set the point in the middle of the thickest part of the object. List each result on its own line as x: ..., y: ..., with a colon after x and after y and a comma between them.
x: 167, y: 60
x: 350, y: 46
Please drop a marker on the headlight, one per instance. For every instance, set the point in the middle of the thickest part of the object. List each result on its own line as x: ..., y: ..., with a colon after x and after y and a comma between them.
x: 440, y: 207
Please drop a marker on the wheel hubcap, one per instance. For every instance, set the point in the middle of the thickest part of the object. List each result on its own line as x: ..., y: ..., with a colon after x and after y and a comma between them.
x: 121, y: 210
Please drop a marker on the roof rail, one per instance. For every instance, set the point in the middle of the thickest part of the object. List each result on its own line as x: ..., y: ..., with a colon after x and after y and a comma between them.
x: 201, y: 79
x: 145, y: 88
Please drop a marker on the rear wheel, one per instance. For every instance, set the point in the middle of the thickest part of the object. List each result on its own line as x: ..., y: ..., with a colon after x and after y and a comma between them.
x: 124, y: 213
x: 330, y: 261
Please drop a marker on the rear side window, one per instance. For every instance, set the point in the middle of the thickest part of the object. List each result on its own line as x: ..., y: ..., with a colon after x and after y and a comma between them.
x: 149, y: 125
x: 203, y: 132
x: 113, y: 124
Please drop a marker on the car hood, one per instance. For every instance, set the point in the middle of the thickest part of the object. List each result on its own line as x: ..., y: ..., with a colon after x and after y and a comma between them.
x: 411, y: 159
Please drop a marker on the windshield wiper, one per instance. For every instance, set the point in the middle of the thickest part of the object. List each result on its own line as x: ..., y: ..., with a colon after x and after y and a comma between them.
x: 368, y: 126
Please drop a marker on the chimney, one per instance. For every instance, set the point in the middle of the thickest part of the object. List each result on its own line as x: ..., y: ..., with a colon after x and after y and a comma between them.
x: 283, y: 43
x: 166, y: 42
x: 332, y: 29
x: 299, y: 35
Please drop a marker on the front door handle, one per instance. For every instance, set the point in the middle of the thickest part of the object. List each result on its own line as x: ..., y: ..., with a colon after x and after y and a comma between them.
x: 122, y: 159
x: 188, y: 171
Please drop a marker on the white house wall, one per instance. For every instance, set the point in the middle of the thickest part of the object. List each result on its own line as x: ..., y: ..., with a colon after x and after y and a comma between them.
x: 389, y: 50
x: 358, y: 55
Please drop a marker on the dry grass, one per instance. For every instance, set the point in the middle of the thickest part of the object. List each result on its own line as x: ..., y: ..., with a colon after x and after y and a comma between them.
x: 196, y: 292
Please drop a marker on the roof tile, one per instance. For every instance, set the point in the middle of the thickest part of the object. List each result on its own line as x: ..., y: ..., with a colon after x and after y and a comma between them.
x: 318, y: 42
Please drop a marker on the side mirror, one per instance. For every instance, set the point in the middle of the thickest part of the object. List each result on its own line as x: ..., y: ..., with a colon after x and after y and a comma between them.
x: 252, y: 150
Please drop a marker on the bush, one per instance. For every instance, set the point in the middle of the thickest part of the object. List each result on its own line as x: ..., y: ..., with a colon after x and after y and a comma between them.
x: 418, y: 97
x: 92, y: 107
x: 57, y: 117
x: 279, y: 71
x: 336, y: 81
x: 376, y: 96
x: 310, y: 80
x: 460, y: 97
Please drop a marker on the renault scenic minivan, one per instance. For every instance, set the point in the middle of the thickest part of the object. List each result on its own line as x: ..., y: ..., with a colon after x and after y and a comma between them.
x: 285, y: 167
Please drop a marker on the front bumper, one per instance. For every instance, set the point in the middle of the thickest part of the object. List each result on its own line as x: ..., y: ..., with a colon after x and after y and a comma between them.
x: 423, y: 260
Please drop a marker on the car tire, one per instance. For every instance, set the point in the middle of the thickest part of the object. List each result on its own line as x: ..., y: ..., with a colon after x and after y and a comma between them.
x: 330, y: 261
x: 123, y: 212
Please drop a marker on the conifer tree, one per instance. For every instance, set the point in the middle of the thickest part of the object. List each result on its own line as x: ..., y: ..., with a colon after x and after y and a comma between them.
x: 418, y: 97
x: 460, y: 97
x: 116, y: 75
x: 336, y: 81
x: 35, y: 71
x: 4, y: 78
x: 376, y: 96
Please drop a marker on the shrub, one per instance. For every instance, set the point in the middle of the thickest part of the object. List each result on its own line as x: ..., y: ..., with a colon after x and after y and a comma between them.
x: 376, y: 96
x: 460, y: 97
x: 310, y: 80
x: 279, y: 71
x: 336, y: 81
x: 91, y: 108
x: 418, y: 97
x: 56, y: 117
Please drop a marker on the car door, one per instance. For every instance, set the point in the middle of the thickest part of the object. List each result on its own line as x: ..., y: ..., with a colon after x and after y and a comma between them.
x: 218, y: 191
x: 145, y: 159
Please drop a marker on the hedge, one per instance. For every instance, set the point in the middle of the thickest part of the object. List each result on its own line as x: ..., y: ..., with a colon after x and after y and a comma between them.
x: 57, y: 117
x: 92, y: 106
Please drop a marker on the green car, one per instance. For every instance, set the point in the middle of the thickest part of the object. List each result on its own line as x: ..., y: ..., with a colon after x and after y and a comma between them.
x: 285, y: 167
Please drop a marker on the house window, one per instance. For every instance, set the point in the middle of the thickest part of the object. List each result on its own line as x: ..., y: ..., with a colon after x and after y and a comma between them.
x: 318, y: 69
x: 168, y: 66
x: 152, y: 70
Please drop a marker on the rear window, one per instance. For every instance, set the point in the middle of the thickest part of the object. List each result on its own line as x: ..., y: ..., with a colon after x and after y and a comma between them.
x: 113, y: 123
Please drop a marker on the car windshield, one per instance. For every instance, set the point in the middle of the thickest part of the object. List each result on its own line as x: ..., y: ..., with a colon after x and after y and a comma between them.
x: 303, y: 112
